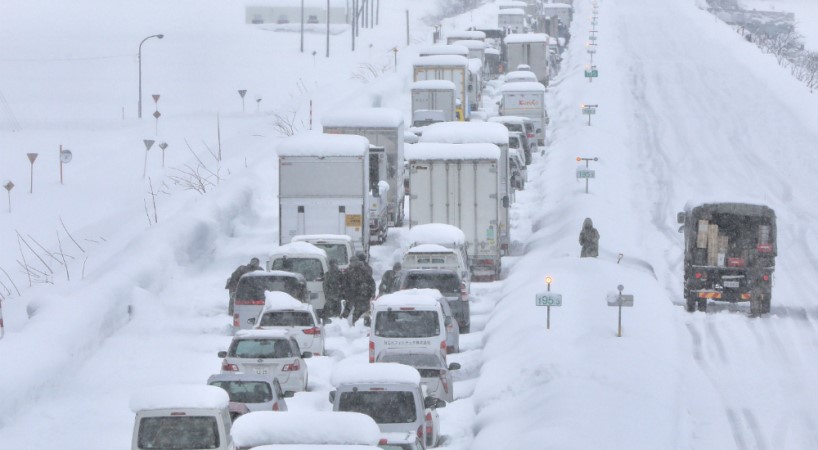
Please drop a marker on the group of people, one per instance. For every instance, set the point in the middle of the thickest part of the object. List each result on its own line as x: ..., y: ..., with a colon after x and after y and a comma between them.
x: 356, y: 286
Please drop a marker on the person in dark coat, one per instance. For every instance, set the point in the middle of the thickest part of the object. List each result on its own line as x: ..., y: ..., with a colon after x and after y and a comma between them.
x: 589, y: 239
x: 333, y: 290
x: 359, y: 290
x: 362, y: 258
x: 233, y: 281
x: 390, y: 280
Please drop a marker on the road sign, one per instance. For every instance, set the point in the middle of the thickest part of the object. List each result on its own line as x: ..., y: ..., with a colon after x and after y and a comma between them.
x: 588, y: 111
x: 156, y: 114
x: 583, y: 172
x: 242, y: 92
x: 155, y: 97
x: 549, y: 299
x: 592, y: 74
x: 65, y: 156
x: 620, y: 300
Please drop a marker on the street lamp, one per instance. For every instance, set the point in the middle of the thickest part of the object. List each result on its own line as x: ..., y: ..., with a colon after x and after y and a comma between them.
x: 160, y: 36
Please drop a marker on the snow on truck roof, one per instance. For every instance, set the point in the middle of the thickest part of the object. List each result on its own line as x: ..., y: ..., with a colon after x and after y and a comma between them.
x: 492, y: 51
x: 319, y: 144
x: 556, y: 6
x: 180, y: 397
x: 521, y: 74
x: 282, y: 301
x: 466, y: 133
x: 441, y: 60
x: 470, y: 34
x: 437, y: 151
x: 471, y: 44
x: 429, y: 248
x: 364, y: 117
x: 436, y: 233
x: 512, y: 12
x: 443, y: 49
x: 434, y: 84
x: 316, y: 447
x: 522, y: 86
x: 298, y: 248
x: 307, y: 427
x: 371, y: 373
x: 525, y: 38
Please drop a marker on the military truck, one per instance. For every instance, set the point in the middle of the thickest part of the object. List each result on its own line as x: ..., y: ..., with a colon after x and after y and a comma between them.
x: 730, y: 251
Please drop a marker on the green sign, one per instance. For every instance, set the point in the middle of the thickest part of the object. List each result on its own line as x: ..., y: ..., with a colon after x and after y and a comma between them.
x: 549, y: 299
x: 589, y: 111
x: 585, y: 173
x: 592, y: 73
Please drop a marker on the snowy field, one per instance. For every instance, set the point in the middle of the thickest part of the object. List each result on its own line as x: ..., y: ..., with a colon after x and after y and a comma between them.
x: 681, y: 116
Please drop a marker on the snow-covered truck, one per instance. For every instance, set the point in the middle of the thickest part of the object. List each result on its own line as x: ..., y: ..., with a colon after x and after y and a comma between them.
x: 453, y: 36
x: 453, y: 68
x: 323, y: 187
x: 434, y: 95
x: 530, y: 49
x: 525, y: 99
x: 383, y: 127
x: 481, y: 133
x: 512, y: 20
x: 459, y: 185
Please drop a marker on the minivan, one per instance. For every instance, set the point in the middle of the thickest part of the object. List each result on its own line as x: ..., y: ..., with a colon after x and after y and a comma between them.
x: 308, y: 260
x: 449, y: 284
x: 339, y: 247
x: 407, y: 319
x: 252, y: 289
x: 184, y: 416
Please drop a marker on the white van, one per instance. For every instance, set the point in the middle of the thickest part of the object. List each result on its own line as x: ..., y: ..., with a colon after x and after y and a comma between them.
x: 339, y: 247
x: 407, y: 319
x: 445, y: 235
x: 306, y: 428
x: 391, y: 394
x: 186, y: 416
x: 308, y: 260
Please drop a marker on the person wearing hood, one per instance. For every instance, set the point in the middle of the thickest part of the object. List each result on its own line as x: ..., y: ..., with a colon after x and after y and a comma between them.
x: 589, y: 239
x: 359, y: 290
x: 233, y: 281
x: 390, y: 280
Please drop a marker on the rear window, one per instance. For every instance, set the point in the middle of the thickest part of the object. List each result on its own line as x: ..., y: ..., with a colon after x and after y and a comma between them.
x: 253, y: 288
x: 381, y: 406
x: 514, y: 142
x: 246, y: 391
x: 178, y: 432
x: 407, y: 324
x: 429, y: 373
x: 447, y: 283
x: 529, y: 127
x: 287, y: 319
x: 514, y: 127
x: 338, y: 252
x: 431, y: 260
x: 411, y: 359
x: 261, y: 348
x: 309, y: 267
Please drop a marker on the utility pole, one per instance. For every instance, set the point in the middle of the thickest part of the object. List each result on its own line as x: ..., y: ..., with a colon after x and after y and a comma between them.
x: 328, y: 28
x: 302, y: 26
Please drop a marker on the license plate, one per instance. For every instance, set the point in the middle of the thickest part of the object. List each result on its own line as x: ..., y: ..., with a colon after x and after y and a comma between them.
x: 731, y: 284
x: 261, y: 371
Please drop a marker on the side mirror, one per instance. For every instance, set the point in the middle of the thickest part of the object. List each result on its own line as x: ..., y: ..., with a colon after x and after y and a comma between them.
x: 430, y: 402
x: 440, y: 404
x: 251, y: 321
x: 680, y: 217
x: 306, y: 355
x: 447, y: 321
x: 222, y: 354
x: 289, y: 394
x: 454, y: 366
x: 332, y: 397
x: 506, y: 202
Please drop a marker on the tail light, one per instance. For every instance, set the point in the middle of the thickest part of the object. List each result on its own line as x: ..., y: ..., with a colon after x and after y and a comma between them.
x: 371, y: 351
x: 429, y: 423
x: 236, y: 320
x: 420, y: 432
x: 275, y: 406
x: 464, y: 293
x: 443, y: 381
x: 383, y: 441
x: 250, y: 302
x: 698, y: 275
x: 227, y: 367
x: 443, y: 350
x: 291, y: 367
x: 313, y: 330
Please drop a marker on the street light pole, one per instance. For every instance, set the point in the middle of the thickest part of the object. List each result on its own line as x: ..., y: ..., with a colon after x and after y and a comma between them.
x: 139, y: 57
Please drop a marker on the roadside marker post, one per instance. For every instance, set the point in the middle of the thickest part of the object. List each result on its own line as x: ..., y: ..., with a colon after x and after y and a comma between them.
x: 619, y: 300
x: 589, y: 110
x: 586, y: 172
x: 548, y: 299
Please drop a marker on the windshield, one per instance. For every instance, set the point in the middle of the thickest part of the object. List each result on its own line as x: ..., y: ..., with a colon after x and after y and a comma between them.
x: 514, y: 127
x: 407, y: 324
x: 381, y: 406
x: 253, y: 288
x: 309, y: 267
x: 178, y: 432
x: 447, y: 283
x: 246, y: 391
x: 287, y: 319
x: 261, y: 348
x: 338, y: 252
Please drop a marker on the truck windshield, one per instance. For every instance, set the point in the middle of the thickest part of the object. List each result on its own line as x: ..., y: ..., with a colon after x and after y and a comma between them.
x: 253, y: 287
x: 178, y: 432
x: 407, y: 324
x: 287, y: 319
x: 309, y: 267
x: 381, y: 406
x: 246, y: 391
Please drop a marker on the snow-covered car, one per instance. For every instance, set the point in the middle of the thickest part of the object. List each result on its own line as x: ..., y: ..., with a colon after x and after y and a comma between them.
x: 273, y: 353
x: 400, y: 441
x: 408, y: 319
x: 282, y: 312
x: 434, y: 372
x: 339, y: 247
x: 392, y: 395
x: 308, y: 260
x: 253, y: 287
x: 450, y: 285
x: 516, y: 162
x: 309, y: 428
x: 251, y: 392
x: 520, y: 75
x: 522, y: 125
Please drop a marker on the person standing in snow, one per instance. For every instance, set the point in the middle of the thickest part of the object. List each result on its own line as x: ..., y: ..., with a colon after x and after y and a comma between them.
x: 333, y: 290
x: 233, y: 281
x: 389, y: 280
x: 589, y: 239
x: 359, y: 289
x: 362, y: 258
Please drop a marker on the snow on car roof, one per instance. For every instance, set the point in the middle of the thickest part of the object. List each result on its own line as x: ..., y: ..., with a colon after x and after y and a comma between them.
x: 430, y: 248
x: 435, y: 151
x: 368, y: 373
x: 526, y: 86
x: 525, y: 38
x: 180, y: 397
x: 322, y: 237
x: 475, y: 65
x: 419, y: 298
x: 436, y: 233
x: 441, y: 60
x: 298, y: 248
x: 732, y: 199
x: 273, y: 273
x: 443, y: 49
x: 319, y: 144
x: 508, y: 119
x: 521, y: 74
x: 316, y: 447
x: 307, y: 427
x: 238, y: 376
x: 364, y: 117
x: 514, y: 3
x: 512, y: 12
x: 471, y: 34
x: 466, y: 133
x: 434, y: 84
x: 279, y: 301
x: 492, y: 51
x: 262, y: 334
x: 471, y: 44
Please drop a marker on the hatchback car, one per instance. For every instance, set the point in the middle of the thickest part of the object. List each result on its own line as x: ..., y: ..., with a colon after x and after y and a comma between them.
x: 251, y: 392
x: 282, y: 312
x: 273, y: 353
x: 434, y: 373
x: 450, y: 285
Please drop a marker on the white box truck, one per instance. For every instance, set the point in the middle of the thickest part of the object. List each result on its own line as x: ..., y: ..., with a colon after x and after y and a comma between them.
x: 525, y: 99
x: 383, y: 127
x: 323, y: 187
x: 530, y: 49
x: 454, y: 68
x: 459, y: 185
x: 481, y: 133
x: 434, y: 95
x: 512, y: 20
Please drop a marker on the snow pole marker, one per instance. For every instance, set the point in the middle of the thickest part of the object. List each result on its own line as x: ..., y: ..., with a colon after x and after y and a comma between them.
x: 548, y: 299
x: 619, y: 300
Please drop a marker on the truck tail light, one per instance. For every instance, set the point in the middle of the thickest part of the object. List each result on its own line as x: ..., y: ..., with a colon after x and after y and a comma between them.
x: 371, y: 351
x: 236, y: 320
x: 765, y: 277
x: 292, y: 367
x: 227, y: 367
x: 250, y: 302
